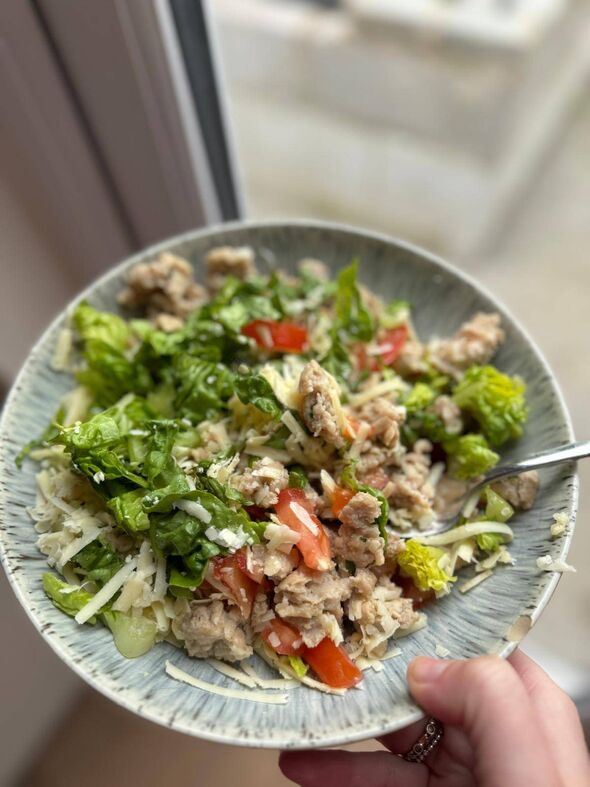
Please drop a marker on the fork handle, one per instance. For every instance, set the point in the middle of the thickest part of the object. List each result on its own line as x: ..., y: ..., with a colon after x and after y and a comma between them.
x: 564, y: 453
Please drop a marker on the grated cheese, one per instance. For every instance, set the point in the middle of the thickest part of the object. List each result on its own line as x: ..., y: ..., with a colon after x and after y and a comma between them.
x: 419, y: 624
x: 192, y: 508
x: 380, y: 389
x: 441, y: 651
x: 237, y: 694
x: 304, y: 517
x: 547, y: 563
x: 106, y: 593
x: 63, y: 350
x: 474, y: 581
x: 232, y: 672
x: 272, y: 683
x: 560, y: 525
x: 89, y: 535
x: 160, y: 583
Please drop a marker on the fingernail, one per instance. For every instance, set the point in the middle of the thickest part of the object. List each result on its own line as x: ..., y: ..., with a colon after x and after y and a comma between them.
x: 426, y: 670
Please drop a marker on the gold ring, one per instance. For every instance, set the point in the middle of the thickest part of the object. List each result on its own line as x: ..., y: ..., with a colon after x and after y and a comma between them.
x: 426, y: 743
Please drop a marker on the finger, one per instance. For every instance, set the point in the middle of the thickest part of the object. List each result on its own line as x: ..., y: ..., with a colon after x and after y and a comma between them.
x: 351, y: 769
x: 486, y: 698
x: 401, y: 741
x: 558, y: 718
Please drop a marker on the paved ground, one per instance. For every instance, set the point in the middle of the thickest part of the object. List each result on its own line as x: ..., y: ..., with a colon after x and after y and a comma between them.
x: 541, y: 270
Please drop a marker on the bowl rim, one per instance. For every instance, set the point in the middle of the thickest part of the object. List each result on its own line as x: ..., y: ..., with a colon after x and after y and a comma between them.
x: 117, y: 270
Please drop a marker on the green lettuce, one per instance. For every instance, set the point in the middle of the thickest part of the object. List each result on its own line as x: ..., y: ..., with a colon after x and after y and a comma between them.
x: 395, y: 314
x: 352, y: 320
x: 420, y: 564
x: 418, y: 398
x: 65, y: 597
x: 133, y: 636
x: 99, y: 561
x: 202, y: 387
x: 469, y: 456
x: 298, y: 666
x: 495, y: 400
x: 497, y: 510
x: 297, y: 477
x: 129, y: 512
x: 337, y: 361
x: 255, y: 389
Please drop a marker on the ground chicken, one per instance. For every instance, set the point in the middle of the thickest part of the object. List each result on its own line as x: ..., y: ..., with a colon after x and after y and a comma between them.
x: 320, y: 408
x: 165, y: 288
x: 475, y: 342
x: 262, y: 482
x: 449, y: 413
x: 409, y: 493
x: 210, y: 630
x: 224, y: 261
x: 519, y: 490
x: 410, y: 362
x: 392, y: 548
x: 262, y: 613
x: 385, y: 419
x: 312, y: 602
x: 358, y: 538
x: 377, y: 610
x: 168, y: 322
x: 278, y: 565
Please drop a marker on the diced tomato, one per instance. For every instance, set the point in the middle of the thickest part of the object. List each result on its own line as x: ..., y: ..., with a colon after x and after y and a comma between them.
x: 243, y: 589
x: 332, y: 665
x: 391, y: 343
x: 340, y: 497
x: 282, y: 638
x: 296, y: 511
x: 280, y: 336
x: 351, y: 428
x: 387, y: 350
x: 247, y: 566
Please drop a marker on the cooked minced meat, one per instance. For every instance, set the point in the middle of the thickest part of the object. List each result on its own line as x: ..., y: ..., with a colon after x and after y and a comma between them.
x: 320, y: 407
x: 519, y: 490
x: 262, y: 482
x: 312, y: 602
x: 165, y: 288
x: 211, y: 630
x: 265, y: 447
x: 358, y: 539
x: 225, y: 261
x: 474, y: 343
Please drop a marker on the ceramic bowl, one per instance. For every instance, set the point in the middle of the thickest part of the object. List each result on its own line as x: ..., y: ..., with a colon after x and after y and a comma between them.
x: 489, y: 619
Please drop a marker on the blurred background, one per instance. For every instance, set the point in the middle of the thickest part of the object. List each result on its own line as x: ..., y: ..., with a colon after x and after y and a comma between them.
x: 462, y: 125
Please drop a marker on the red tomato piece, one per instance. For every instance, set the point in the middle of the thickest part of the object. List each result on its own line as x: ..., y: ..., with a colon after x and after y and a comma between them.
x: 332, y: 665
x: 280, y: 336
x: 297, y: 512
x: 243, y: 589
x: 282, y: 638
x: 340, y: 497
x: 391, y: 343
x: 247, y: 565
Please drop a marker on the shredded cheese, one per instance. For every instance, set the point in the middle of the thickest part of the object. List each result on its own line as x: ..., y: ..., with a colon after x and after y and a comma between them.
x: 272, y: 683
x: 475, y: 581
x: 441, y: 651
x: 560, y: 525
x: 465, y: 531
x: 237, y: 694
x: 233, y: 673
x: 381, y: 389
x: 547, y: 563
x: 192, y: 508
x: 419, y: 624
x: 105, y: 594
x: 63, y: 350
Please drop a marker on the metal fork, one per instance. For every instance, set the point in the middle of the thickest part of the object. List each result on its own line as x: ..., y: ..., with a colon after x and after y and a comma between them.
x: 564, y: 453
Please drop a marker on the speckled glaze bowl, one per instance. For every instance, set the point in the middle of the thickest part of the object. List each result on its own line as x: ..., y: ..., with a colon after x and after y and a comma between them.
x: 489, y: 619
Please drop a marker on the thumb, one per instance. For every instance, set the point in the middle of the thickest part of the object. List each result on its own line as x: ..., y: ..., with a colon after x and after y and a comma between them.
x: 487, y: 700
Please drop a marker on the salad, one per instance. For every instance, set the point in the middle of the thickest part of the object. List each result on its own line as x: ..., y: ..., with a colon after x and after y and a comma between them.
x: 236, y: 463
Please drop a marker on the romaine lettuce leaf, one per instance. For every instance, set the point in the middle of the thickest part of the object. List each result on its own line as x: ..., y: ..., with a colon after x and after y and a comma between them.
x: 255, y: 389
x: 67, y: 598
x: 353, y: 320
x: 420, y: 564
x: 469, y: 456
x: 495, y: 400
x: 133, y: 636
x: 202, y: 388
x: 129, y: 512
x: 99, y: 561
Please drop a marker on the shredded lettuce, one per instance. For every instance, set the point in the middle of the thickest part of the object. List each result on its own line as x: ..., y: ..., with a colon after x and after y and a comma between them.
x: 469, y: 456
x: 202, y: 387
x: 421, y: 564
x: 67, y: 598
x: 497, y: 510
x: 495, y: 400
x: 298, y: 666
x: 255, y: 389
x: 418, y: 398
x: 297, y: 477
x: 337, y: 361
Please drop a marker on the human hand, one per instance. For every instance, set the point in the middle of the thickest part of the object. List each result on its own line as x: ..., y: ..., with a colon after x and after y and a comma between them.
x: 506, y: 724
